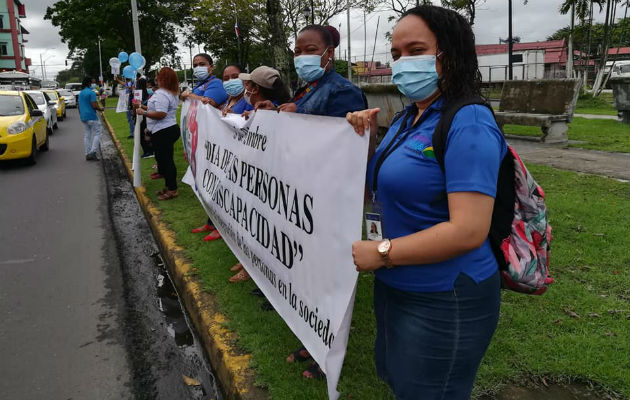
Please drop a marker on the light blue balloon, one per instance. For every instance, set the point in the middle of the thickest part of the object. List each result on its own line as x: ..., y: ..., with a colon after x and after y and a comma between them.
x: 123, y: 56
x: 129, y: 72
x: 136, y: 60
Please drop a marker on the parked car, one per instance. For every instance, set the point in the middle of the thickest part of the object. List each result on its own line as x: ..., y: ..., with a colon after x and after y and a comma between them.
x: 47, y: 106
x: 75, y: 88
x: 68, y: 98
x: 60, y: 105
x: 23, y: 130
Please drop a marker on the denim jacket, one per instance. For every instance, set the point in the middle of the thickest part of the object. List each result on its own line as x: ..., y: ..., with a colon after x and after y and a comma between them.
x: 334, y: 96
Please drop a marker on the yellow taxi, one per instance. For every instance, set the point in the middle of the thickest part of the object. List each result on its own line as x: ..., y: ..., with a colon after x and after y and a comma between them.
x: 22, y: 127
x: 60, y: 104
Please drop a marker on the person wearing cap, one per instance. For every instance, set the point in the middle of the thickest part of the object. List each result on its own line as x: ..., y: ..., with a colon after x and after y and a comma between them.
x: 209, y: 89
x: 264, y: 86
x: 233, y: 85
x: 325, y: 92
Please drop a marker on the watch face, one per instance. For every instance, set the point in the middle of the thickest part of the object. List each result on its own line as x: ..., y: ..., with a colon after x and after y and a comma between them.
x: 383, y: 247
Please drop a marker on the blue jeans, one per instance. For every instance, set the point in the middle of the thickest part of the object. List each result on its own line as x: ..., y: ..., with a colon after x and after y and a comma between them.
x: 92, y: 136
x: 429, y: 345
x: 131, y: 123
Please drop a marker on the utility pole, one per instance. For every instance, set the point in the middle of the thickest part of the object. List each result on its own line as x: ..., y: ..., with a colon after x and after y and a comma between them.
x: 41, y: 64
x: 349, y: 52
x: 100, y: 62
x: 136, y: 28
x: 510, y: 41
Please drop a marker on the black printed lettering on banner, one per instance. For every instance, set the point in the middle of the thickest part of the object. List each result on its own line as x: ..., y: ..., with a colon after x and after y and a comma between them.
x: 279, y: 196
x: 253, y: 139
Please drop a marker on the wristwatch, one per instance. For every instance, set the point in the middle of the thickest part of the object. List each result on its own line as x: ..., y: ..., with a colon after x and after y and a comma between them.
x: 383, y: 249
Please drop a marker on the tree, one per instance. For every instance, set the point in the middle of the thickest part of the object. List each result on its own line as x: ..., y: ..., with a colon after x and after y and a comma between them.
x: 467, y: 7
x: 81, y: 22
x: 214, y: 27
x: 582, y: 9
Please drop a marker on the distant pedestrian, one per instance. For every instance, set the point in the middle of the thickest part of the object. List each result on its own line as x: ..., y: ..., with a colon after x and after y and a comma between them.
x: 87, y: 111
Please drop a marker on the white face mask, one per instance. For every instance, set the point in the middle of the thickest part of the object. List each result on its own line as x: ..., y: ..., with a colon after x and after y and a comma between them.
x: 248, y: 97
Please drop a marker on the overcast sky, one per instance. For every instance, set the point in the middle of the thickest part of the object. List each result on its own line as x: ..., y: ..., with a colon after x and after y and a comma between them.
x: 535, y: 21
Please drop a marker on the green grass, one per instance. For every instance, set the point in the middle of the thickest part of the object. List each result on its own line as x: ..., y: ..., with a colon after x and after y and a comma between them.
x: 601, y: 105
x: 536, y: 337
x: 597, y: 134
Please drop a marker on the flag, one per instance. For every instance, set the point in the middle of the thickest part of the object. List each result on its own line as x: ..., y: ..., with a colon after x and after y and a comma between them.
x: 236, y: 28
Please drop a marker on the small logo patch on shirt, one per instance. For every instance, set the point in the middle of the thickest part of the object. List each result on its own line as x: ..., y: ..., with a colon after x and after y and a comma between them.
x: 421, y: 145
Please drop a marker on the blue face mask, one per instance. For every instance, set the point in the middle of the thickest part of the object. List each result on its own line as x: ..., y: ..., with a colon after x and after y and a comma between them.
x: 233, y: 87
x: 308, y: 67
x: 94, y: 86
x: 415, y: 76
x: 150, y: 92
x: 201, y: 72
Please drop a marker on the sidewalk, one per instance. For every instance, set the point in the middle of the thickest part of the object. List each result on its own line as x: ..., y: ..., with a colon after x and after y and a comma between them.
x: 609, y: 164
x: 596, y: 116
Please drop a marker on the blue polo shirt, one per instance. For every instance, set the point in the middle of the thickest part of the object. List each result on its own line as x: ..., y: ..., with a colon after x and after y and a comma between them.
x: 411, y: 187
x: 86, y: 112
x: 241, y: 106
x: 211, y: 88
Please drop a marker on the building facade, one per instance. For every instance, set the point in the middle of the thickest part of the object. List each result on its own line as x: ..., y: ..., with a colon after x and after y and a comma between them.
x: 12, y: 36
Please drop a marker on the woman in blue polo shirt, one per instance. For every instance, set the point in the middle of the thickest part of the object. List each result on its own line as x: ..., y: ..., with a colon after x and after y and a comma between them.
x: 233, y: 85
x: 325, y: 92
x: 436, y: 292
x: 209, y: 88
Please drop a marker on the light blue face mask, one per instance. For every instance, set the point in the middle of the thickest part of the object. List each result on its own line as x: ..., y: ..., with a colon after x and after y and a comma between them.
x: 94, y: 86
x: 233, y: 87
x: 309, y: 67
x: 415, y: 76
x: 150, y: 92
x: 201, y: 72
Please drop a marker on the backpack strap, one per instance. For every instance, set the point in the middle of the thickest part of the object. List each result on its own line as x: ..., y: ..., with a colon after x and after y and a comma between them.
x: 440, y: 135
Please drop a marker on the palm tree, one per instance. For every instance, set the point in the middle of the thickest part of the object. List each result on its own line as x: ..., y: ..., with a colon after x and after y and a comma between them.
x: 582, y: 9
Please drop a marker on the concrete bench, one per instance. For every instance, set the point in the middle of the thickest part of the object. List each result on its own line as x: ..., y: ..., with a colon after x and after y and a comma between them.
x: 621, y: 94
x: 546, y: 103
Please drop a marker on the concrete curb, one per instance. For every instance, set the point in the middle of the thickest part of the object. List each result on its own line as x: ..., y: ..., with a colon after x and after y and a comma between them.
x: 230, y: 366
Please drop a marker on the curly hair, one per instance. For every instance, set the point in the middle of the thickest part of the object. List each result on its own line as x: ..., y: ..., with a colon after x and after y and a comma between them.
x: 168, y: 80
x: 456, y: 40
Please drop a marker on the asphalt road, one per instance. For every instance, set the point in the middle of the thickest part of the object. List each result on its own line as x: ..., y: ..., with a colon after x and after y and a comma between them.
x: 61, y: 302
x: 87, y: 308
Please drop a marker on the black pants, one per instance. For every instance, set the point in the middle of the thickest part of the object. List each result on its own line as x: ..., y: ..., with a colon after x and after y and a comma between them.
x: 147, y: 148
x: 163, y: 141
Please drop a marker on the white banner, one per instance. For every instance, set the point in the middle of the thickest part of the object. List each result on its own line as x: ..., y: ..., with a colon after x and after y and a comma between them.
x: 286, y: 192
x: 123, y: 101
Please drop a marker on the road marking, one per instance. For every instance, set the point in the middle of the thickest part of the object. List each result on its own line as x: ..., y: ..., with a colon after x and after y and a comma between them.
x: 20, y: 261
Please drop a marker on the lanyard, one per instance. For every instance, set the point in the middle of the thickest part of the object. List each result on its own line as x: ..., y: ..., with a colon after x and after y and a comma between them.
x: 391, y: 147
x: 304, y: 92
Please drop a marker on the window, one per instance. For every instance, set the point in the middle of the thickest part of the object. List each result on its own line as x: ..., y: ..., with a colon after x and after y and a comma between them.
x: 517, y: 58
x: 1, y: 21
x: 3, y: 48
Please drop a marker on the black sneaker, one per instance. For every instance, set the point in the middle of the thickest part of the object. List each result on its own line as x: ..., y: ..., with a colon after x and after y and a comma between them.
x: 148, y: 155
x: 91, y: 157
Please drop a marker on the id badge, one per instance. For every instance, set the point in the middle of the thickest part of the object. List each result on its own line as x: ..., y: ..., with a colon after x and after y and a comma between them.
x: 373, y: 226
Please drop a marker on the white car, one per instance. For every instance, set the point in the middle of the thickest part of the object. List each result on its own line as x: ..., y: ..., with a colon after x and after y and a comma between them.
x: 47, y: 106
x: 68, y: 98
x: 75, y: 88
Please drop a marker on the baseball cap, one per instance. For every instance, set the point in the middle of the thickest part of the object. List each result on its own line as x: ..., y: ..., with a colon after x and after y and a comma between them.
x: 263, y: 76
